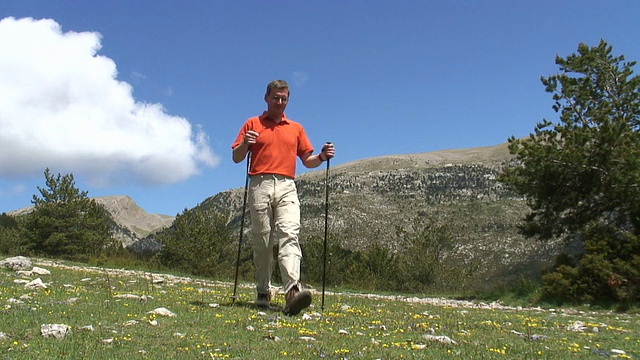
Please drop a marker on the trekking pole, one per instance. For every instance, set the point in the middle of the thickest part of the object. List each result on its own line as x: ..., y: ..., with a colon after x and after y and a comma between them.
x: 244, y: 207
x: 326, y: 227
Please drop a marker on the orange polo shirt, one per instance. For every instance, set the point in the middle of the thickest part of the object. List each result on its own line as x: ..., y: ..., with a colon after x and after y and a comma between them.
x: 277, y: 145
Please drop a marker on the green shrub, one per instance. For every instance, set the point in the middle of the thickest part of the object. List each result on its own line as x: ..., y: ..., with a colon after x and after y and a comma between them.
x: 12, y: 242
x: 199, y: 243
x: 341, y: 266
x: 607, y: 273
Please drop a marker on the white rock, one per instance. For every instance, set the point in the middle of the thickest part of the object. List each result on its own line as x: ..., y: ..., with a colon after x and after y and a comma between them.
x: 16, y: 263
x: 307, y: 338
x: 127, y: 296
x: 442, y: 338
x: 36, y: 284
x: 58, y: 331
x: 40, y: 271
x: 310, y: 316
x: 87, y: 328
x: 162, y: 312
x: 343, y: 332
x: 577, y: 326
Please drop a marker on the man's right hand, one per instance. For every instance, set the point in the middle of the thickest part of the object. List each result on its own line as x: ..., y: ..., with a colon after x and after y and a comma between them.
x: 250, y: 137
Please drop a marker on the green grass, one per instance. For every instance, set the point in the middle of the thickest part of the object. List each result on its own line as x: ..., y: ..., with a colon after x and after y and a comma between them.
x: 208, y: 326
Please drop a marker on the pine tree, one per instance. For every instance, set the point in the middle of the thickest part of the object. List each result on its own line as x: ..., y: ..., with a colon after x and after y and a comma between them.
x: 585, y: 168
x: 581, y: 175
x: 65, y: 222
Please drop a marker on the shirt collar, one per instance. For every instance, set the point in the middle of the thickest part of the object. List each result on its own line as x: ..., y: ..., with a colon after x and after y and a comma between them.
x: 265, y: 117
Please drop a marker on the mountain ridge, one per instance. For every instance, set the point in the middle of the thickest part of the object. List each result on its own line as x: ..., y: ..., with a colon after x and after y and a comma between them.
x: 133, y: 222
x: 491, y: 156
x: 373, y: 200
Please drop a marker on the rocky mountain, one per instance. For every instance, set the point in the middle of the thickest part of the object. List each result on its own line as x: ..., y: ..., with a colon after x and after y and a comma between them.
x: 131, y: 222
x: 132, y: 219
x: 372, y: 199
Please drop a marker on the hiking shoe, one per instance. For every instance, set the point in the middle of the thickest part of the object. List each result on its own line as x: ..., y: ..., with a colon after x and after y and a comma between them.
x: 263, y: 300
x: 296, y: 300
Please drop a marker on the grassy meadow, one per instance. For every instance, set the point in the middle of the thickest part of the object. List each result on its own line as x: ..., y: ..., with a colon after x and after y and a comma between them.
x: 118, y: 314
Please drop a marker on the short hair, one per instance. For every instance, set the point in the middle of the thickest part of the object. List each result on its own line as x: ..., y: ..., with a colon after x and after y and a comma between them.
x: 278, y: 84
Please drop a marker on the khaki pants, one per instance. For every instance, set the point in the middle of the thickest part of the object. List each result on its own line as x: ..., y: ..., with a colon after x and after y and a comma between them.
x: 275, y: 221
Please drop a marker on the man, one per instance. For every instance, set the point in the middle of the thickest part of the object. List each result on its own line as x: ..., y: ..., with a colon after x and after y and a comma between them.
x: 273, y: 142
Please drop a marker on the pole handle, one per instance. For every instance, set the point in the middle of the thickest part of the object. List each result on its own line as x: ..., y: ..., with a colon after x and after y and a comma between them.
x: 326, y: 143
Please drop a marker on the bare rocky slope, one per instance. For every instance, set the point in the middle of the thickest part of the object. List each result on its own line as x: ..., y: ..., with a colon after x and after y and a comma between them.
x: 128, y: 214
x: 133, y: 222
x: 371, y: 199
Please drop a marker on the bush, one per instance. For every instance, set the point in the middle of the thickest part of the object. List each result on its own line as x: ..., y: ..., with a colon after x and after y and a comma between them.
x: 608, y: 272
x: 341, y: 267
x: 198, y: 243
x: 11, y: 242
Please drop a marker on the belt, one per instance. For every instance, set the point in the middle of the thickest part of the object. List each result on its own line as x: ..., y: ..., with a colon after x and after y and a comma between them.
x: 269, y: 176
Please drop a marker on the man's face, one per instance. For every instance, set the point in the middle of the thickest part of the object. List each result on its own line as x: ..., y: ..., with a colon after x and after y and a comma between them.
x: 277, y: 100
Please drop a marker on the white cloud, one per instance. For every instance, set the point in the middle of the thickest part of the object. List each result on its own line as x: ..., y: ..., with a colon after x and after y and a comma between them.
x: 300, y: 77
x: 62, y: 107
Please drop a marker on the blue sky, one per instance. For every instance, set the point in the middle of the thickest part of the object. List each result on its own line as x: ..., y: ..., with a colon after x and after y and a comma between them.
x: 144, y: 98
